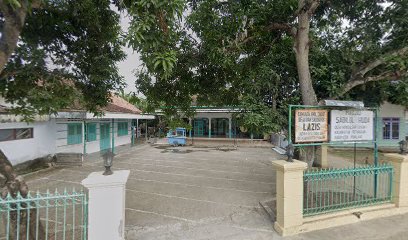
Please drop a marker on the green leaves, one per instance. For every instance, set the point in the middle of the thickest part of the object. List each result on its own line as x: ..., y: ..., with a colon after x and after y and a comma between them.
x: 66, y: 58
x: 165, y: 62
x: 154, y: 32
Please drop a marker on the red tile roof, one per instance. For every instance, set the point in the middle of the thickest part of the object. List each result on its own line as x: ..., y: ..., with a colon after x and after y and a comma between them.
x: 120, y: 105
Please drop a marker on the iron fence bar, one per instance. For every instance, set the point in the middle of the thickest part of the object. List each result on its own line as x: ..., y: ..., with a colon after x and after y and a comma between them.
x: 329, y: 190
x: 28, y: 221
x: 19, y: 210
x: 37, y: 221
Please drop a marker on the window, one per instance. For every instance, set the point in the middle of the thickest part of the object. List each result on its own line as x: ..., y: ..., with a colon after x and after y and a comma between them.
x: 122, y: 128
x: 15, y: 134
x: 391, y: 128
x: 74, y: 133
x: 90, y: 132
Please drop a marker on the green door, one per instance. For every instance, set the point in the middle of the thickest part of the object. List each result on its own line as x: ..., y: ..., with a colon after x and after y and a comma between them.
x: 105, y: 140
x: 198, y: 128
x: 221, y: 127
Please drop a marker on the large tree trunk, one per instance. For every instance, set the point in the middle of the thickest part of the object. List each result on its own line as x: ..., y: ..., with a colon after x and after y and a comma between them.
x: 13, y: 186
x: 14, y: 18
x: 301, y: 47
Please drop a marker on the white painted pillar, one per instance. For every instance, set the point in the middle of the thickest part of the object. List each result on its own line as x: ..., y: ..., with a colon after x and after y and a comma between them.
x: 106, y: 205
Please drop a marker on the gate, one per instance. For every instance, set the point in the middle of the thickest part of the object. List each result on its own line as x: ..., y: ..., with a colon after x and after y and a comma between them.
x: 329, y: 190
x: 105, y: 141
x: 44, y: 216
x: 198, y: 128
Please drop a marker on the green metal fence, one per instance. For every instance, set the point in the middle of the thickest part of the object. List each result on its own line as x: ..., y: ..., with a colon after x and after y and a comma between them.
x: 44, y: 216
x: 328, y: 190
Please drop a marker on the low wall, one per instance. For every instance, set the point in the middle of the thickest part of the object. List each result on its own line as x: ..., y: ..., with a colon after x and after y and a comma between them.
x: 215, y: 142
x: 290, y: 199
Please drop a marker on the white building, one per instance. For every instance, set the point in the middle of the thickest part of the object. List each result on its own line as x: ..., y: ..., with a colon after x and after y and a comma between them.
x: 70, y: 131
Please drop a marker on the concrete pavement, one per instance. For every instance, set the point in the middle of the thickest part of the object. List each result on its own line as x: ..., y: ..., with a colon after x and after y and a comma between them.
x: 203, y: 193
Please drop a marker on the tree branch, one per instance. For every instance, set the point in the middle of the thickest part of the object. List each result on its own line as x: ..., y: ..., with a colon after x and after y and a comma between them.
x: 358, y: 77
x: 385, y: 76
x: 364, y: 69
x: 282, y: 26
x: 312, y: 7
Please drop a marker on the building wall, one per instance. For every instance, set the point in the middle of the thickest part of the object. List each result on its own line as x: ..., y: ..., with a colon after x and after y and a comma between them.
x: 125, y: 139
x: 62, y: 138
x: 92, y: 146
x: 42, y: 144
x: 388, y: 110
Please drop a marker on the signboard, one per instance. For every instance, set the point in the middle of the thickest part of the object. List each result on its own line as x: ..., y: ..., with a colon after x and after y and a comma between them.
x: 351, y: 125
x: 311, y: 125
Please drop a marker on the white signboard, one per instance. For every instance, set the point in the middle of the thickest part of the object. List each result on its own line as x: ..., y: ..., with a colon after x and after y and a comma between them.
x: 311, y: 125
x: 351, y: 125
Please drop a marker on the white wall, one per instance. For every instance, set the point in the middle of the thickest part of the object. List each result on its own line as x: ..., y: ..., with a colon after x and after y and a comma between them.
x: 388, y: 110
x: 41, y: 145
x: 392, y: 110
x: 122, y: 140
x: 93, y: 146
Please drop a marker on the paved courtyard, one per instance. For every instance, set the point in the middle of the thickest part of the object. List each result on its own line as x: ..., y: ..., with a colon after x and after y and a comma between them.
x: 202, y: 193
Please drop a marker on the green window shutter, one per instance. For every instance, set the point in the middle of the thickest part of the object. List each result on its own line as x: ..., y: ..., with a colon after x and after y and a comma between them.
x: 122, y: 128
x: 74, y: 133
x: 91, y: 132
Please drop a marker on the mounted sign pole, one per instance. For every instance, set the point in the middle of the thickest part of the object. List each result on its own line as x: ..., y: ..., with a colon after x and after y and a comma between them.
x: 350, y: 123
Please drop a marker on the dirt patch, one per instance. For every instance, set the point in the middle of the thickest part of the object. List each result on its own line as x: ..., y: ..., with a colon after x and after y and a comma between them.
x: 33, y: 165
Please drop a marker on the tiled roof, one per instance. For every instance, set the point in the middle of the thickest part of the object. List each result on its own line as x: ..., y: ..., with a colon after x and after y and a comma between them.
x: 120, y: 105
x: 117, y: 105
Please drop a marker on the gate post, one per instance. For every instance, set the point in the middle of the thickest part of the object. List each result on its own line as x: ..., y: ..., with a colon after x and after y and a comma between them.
x: 289, y: 196
x: 321, y: 159
x: 106, y: 205
x: 400, y: 179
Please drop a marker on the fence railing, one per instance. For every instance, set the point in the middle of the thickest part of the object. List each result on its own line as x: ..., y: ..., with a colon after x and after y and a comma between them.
x: 328, y: 190
x: 44, y: 216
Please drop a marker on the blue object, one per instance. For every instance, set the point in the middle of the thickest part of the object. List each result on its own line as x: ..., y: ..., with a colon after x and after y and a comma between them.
x: 177, y: 137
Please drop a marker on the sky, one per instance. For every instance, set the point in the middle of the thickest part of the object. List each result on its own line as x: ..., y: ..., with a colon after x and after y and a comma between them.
x: 131, y: 62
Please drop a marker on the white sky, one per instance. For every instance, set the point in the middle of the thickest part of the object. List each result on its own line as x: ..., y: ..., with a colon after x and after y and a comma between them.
x: 131, y: 62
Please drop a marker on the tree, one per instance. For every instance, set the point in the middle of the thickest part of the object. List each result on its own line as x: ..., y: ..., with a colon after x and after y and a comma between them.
x: 342, y: 50
x: 57, y: 53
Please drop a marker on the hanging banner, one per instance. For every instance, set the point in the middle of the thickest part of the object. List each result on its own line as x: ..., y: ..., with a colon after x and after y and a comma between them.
x: 351, y: 125
x: 311, y: 125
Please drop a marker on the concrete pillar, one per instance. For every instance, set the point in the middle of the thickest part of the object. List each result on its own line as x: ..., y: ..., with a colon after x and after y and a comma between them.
x: 229, y: 127
x: 113, y: 135
x: 321, y: 158
x: 209, y: 127
x: 106, y: 205
x: 400, y: 180
x: 84, y: 138
x: 289, y: 196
